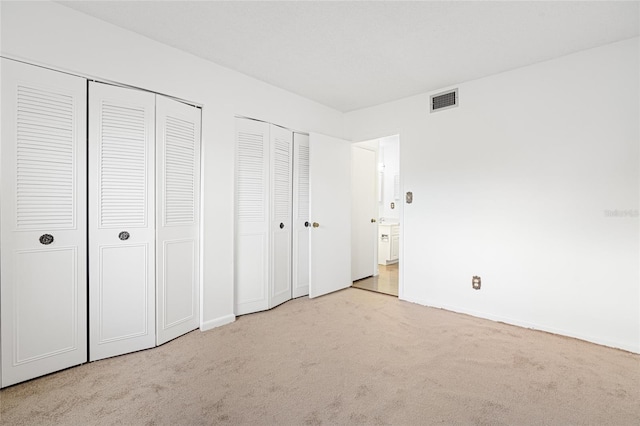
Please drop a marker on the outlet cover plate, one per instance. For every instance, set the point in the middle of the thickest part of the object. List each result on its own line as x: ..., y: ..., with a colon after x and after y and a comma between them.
x: 476, y: 282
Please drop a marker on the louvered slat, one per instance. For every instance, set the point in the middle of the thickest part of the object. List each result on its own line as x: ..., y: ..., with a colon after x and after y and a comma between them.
x: 45, y: 159
x: 250, y: 185
x: 303, y: 182
x: 282, y: 177
x: 123, y: 176
x: 179, y: 185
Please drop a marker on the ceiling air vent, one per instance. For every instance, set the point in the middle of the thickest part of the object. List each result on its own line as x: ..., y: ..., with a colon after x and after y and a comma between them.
x: 444, y: 100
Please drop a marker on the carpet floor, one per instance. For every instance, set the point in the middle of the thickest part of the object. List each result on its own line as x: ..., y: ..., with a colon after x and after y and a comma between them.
x: 352, y: 357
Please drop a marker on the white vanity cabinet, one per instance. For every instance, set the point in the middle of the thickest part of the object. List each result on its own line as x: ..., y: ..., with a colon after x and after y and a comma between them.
x: 388, y: 243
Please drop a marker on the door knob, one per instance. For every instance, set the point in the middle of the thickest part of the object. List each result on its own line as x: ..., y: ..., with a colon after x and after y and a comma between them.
x: 124, y: 235
x: 281, y: 225
x: 373, y: 221
x: 46, y: 239
x: 316, y: 224
x: 306, y: 224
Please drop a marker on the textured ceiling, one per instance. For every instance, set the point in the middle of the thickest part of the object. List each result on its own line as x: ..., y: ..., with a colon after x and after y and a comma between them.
x: 350, y: 55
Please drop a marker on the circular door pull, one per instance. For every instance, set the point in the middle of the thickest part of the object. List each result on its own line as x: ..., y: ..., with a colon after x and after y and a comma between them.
x: 124, y: 235
x: 316, y: 224
x: 281, y: 225
x: 306, y: 224
x: 46, y: 239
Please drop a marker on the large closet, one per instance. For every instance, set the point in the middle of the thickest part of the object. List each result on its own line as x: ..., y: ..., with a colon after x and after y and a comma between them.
x: 99, y: 231
x: 272, y: 215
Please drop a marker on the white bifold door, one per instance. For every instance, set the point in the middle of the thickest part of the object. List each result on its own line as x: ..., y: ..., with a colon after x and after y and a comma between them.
x: 177, y: 218
x: 144, y: 154
x: 301, y: 216
x: 43, y: 222
x: 121, y: 220
x: 114, y: 200
x: 264, y: 172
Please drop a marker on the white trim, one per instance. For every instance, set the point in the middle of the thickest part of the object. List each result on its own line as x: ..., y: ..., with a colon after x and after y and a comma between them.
x: 96, y: 79
x: 201, y: 232
x: 627, y: 346
x: 218, y: 322
x: 244, y: 117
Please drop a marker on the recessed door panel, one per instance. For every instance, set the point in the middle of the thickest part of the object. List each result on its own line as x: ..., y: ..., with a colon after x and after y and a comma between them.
x: 121, y: 220
x: 251, y: 283
x: 180, y: 271
x: 43, y: 228
x: 122, y: 297
x: 47, y: 313
x: 281, y: 267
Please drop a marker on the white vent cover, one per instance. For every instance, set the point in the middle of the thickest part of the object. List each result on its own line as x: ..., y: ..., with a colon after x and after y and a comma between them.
x: 444, y: 100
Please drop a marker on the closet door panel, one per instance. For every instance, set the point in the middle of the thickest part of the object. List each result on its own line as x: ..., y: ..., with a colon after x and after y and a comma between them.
x: 177, y: 218
x: 121, y: 293
x: 301, y: 218
x: 43, y: 226
x: 121, y: 220
x: 252, y: 217
x: 281, y: 204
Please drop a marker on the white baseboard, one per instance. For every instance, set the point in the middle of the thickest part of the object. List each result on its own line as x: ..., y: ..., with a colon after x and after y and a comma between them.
x: 626, y: 346
x: 217, y: 322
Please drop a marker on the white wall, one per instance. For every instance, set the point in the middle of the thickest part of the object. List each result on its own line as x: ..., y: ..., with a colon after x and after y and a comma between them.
x: 53, y: 35
x: 514, y: 185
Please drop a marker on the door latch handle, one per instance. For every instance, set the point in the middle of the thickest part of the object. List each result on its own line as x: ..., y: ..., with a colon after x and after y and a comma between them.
x: 306, y: 224
x: 281, y: 225
x: 124, y: 235
x: 316, y: 224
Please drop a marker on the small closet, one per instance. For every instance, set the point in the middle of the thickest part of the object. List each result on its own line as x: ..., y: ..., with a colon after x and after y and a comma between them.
x: 271, y: 215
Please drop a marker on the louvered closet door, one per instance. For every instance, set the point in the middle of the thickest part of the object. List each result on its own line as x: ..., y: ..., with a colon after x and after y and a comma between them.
x: 301, y: 219
x: 177, y: 218
x: 43, y: 225
x: 281, y: 200
x: 121, y: 220
x: 252, y: 217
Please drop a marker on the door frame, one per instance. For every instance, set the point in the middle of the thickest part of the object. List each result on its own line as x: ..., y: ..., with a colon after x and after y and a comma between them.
x: 401, y: 203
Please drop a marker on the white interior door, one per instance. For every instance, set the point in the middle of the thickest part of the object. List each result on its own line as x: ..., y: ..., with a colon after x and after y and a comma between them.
x: 364, y: 213
x: 177, y: 218
x: 281, y: 199
x: 251, y: 267
x: 43, y: 222
x: 301, y: 219
x: 121, y: 220
x: 330, y: 199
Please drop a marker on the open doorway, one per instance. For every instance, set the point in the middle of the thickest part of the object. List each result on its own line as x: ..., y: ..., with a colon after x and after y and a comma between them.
x: 376, y: 214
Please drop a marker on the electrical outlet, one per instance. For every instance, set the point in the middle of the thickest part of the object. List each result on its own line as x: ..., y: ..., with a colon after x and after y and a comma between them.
x: 476, y: 282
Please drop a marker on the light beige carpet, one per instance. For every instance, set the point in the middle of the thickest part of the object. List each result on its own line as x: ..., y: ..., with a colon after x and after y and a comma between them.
x: 352, y: 357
